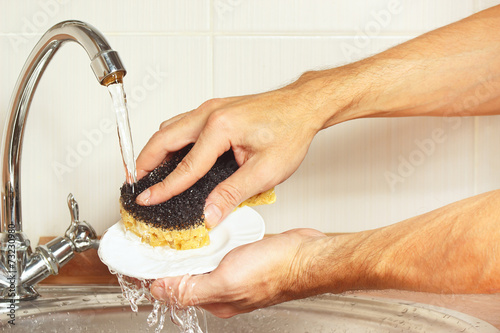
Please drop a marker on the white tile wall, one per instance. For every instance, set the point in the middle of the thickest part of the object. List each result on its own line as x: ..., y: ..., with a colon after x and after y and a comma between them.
x: 124, y: 16
x: 336, y: 17
x: 198, y: 49
x: 483, y: 4
x: 260, y: 63
x: 487, y: 159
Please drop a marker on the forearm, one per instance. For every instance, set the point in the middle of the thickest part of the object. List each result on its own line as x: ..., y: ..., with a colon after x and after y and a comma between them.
x: 454, y: 249
x: 451, y: 71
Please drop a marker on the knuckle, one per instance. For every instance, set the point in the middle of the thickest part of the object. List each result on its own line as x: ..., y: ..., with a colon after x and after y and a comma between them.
x: 164, y: 190
x: 186, y: 167
x: 219, y: 120
x: 162, y: 283
x: 164, y: 124
x: 174, y: 119
x: 163, y: 187
x: 211, y: 104
x: 230, y: 195
x: 192, y: 300
x: 156, y: 135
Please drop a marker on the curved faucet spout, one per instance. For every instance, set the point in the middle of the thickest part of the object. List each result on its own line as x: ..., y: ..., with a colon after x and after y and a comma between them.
x: 26, y: 268
x: 107, y: 68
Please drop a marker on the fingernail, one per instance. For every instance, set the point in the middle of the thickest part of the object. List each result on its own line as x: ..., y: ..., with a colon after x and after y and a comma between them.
x: 212, y: 215
x: 159, y: 293
x: 143, y: 198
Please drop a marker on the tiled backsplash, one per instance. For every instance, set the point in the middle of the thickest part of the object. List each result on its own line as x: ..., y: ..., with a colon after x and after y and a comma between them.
x: 180, y: 53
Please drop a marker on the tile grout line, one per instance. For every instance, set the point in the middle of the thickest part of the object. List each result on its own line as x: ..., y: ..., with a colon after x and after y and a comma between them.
x: 212, y: 51
x: 476, y: 6
x: 345, y: 34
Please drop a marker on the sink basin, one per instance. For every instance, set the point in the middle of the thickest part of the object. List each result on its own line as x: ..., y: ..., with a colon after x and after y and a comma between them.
x: 103, y: 309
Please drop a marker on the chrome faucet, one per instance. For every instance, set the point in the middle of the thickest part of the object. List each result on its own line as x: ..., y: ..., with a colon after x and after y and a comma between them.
x: 20, y: 267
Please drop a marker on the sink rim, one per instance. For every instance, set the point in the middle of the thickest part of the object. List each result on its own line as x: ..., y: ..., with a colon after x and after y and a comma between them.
x: 74, y: 298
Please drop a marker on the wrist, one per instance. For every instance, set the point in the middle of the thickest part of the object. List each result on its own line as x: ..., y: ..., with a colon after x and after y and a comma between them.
x: 321, y: 269
x: 338, y: 264
x: 333, y: 96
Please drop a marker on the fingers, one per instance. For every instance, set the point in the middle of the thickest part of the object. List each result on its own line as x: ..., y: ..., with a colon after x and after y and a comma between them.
x: 198, y: 290
x: 169, y: 138
x: 163, y: 289
x: 193, y: 166
x: 155, y: 152
x: 188, y: 290
x: 247, y: 181
x: 173, y: 119
x: 175, y: 134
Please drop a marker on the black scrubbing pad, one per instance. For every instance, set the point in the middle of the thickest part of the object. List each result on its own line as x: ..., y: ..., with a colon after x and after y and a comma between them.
x: 184, y: 210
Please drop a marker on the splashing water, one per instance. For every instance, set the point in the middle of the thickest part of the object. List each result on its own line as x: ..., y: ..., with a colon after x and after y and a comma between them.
x: 137, y: 290
x: 125, y: 136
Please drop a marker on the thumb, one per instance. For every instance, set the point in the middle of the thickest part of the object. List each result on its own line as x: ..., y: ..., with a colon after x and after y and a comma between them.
x: 226, y: 196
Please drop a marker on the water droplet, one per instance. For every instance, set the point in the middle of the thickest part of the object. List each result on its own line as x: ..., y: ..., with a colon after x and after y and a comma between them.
x: 137, y: 291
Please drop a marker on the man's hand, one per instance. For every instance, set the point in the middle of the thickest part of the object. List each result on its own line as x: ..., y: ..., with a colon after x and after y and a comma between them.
x: 269, y: 133
x: 454, y: 249
x: 251, y: 276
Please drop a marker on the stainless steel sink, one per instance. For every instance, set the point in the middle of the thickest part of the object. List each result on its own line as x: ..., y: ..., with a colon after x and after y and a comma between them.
x: 103, y: 309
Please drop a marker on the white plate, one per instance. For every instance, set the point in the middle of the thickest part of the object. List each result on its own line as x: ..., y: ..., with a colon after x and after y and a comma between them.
x: 123, y: 252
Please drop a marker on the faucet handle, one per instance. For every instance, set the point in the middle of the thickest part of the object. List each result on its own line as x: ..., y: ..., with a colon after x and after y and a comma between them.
x: 80, y: 233
x: 73, y: 208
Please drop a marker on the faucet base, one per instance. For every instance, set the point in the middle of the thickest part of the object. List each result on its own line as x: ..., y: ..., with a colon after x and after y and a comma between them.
x: 15, y: 252
x: 21, y: 293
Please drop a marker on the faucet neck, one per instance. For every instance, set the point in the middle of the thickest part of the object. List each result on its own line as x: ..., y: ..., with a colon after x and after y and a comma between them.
x: 107, y: 67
